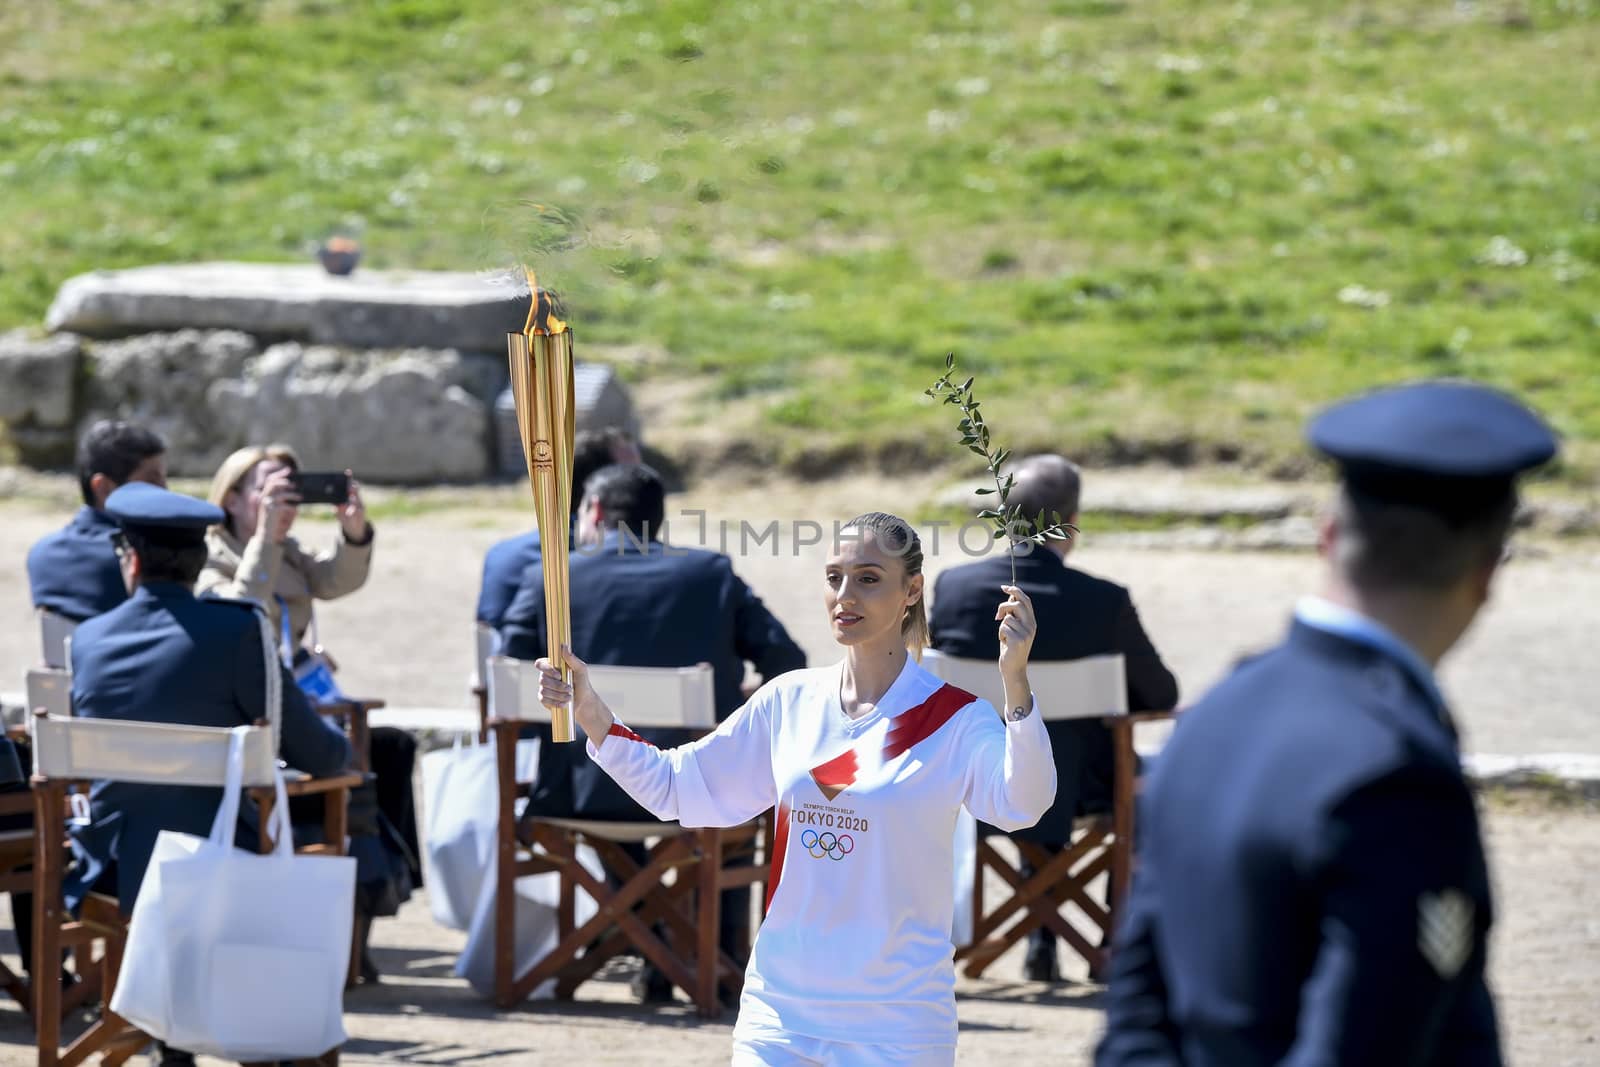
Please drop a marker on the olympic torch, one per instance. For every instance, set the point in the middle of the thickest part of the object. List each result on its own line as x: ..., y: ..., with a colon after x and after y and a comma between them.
x: 541, y: 385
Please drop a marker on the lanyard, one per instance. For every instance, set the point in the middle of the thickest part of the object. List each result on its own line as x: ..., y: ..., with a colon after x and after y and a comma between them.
x: 288, y: 643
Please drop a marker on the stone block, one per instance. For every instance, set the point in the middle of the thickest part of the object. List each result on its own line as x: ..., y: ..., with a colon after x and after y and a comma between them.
x: 37, y: 380
x: 371, y: 309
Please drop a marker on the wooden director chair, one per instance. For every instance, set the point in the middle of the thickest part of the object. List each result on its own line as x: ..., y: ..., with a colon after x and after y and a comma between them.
x: 69, y: 753
x: 1089, y: 688
x: 678, y: 887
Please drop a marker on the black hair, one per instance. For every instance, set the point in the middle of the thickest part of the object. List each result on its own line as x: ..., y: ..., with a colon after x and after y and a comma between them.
x: 631, y: 496
x: 592, y: 450
x: 115, y: 449
x: 1388, y: 545
x: 165, y: 560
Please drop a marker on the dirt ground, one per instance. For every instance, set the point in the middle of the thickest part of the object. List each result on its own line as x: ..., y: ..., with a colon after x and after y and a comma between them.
x: 1522, y: 683
x: 1546, y: 972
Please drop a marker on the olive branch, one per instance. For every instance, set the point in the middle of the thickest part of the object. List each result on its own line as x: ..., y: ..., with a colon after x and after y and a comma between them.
x: 1008, y: 520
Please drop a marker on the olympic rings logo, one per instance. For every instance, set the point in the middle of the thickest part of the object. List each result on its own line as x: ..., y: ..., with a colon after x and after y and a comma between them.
x: 834, y: 846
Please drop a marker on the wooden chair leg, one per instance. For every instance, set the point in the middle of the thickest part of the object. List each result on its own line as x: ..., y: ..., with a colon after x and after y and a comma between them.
x: 49, y: 799
x: 1125, y: 770
x: 505, y: 900
x: 709, y: 851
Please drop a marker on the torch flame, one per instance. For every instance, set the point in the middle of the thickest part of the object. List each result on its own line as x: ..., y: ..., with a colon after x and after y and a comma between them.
x: 541, y: 315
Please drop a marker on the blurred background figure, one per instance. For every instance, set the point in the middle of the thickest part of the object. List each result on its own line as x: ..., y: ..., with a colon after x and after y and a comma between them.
x: 1311, y: 884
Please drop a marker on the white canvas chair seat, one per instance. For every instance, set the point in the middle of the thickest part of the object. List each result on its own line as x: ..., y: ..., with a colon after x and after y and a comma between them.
x: 668, y: 907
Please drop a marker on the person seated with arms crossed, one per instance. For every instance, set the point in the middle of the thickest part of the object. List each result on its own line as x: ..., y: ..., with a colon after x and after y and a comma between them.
x: 506, y: 561
x: 1080, y: 615
x: 637, y: 602
x: 74, y: 572
x: 168, y: 656
x: 253, y: 555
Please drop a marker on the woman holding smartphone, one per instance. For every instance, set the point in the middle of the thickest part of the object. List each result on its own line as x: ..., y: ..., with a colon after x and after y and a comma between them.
x: 252, y: 554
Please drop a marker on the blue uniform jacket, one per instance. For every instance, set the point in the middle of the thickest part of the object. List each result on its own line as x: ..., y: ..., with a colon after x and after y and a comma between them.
x: 166, y: 656
x: 503, y: 567
x: 1079, y: 615
x: 655, y: 607
x: 1311, y: 885
x: 74, y: 571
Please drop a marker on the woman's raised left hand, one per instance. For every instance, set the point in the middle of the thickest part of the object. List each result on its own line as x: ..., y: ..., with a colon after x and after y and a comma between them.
x: 1018, y: 627
x: 353, y: 514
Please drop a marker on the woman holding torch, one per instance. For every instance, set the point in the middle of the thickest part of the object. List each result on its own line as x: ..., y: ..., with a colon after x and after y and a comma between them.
x: 867, y: 762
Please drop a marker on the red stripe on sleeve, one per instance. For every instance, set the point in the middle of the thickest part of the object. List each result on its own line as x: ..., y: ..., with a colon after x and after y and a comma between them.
x: 924, y: 720
x: 780, y: 845
x: 619, y: 730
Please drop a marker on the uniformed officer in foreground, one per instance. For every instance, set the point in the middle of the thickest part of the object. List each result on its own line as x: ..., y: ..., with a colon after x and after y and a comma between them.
x: 167, y: 656
x: 1311, y: 885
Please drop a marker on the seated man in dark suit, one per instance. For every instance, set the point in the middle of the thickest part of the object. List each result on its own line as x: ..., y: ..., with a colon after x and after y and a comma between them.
x: 506, y: 561
x: 166, y: 656
x: 74, y: 572
x: 637, y: 603
x: 1079, y: 615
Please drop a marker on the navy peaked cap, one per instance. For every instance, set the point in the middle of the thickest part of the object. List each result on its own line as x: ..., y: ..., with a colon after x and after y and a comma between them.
x: 1452, y: 447
x: 160, y: 513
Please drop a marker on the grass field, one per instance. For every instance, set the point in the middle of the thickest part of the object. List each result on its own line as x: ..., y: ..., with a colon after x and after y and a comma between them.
x: 1160, y: 230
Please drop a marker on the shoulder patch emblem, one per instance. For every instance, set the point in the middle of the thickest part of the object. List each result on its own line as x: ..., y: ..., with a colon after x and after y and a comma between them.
x: 1445, y: 931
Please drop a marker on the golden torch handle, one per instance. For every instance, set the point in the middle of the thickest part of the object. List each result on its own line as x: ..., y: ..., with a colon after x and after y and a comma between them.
x: 542, y: 386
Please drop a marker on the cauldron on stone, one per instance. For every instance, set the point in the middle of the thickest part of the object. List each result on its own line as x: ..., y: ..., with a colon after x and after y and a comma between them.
x: 339, y: 255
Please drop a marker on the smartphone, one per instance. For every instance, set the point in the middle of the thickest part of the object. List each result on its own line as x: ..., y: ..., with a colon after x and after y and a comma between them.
x: 322, y: 487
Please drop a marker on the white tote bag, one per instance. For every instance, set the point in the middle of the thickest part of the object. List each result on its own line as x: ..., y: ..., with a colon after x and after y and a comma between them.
x: 237, y: 955
x: 460, y: 809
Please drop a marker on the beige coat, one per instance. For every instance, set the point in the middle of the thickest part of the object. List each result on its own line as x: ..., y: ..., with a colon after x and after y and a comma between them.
x: 264, y: 571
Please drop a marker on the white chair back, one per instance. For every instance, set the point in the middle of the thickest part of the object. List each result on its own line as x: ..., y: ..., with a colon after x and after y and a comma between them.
x: 50, y: 691
x: 682, y: 697
x: 55, y: 631
x: 486, y: 645
x: 151, y: 753
x: 1085, y: 688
